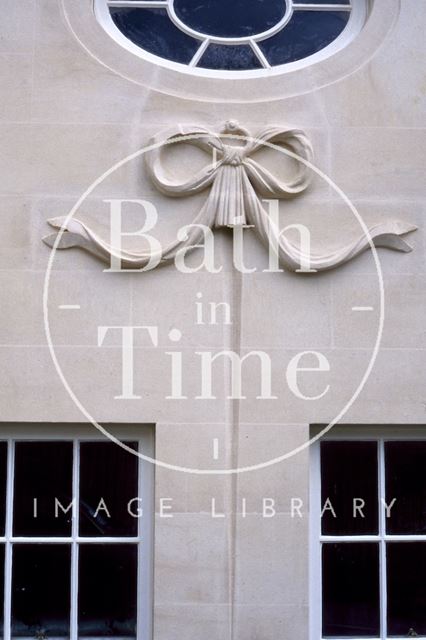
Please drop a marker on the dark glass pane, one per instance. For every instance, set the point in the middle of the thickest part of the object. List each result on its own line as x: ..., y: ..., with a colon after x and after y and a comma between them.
x: 305, y: 34
x: 107, y: 590
x: 153, y: 30
x: 232, y: 58
x: 108, y: 481
x: 41, y: 590
x: 1, y: 587
x: 43, y: 471
x: 351, y: 590
x: 349, y: 472
x: 406, y: 588
x: 406, y: 482
x: 235, y: 19
x: 3, y: 479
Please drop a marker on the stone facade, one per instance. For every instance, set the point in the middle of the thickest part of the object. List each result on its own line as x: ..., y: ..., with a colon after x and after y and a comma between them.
x: 74, y: 104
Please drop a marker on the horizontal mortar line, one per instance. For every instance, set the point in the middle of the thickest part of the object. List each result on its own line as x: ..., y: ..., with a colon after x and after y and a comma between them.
x: 207, y: 347
x: 29, y: 55
x: 69, y: 306
x: 63, y: 197
x: 372, y: 126
x: 357, y: 200
x: 78, y: 123
x: 84, y: 123
x: 362, y: 350
x: 88, y: 123
x: 362, y: 308
x: 119, y: 345
x: 288, y: 349
x: 327, y: 350
x: 224, y: 604
x: 373, y: 199
x: 245, y: 422
x: 94, y: 270
x: 73, y: 198
x: 288, y: 425
x: 335, y: 286
x: 64, y: 270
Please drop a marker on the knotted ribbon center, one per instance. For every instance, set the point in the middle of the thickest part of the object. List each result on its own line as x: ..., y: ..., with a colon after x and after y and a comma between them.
x: 232, y: 156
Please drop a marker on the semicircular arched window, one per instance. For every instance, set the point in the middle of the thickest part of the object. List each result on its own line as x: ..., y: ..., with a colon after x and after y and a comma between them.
x: 233, y: 35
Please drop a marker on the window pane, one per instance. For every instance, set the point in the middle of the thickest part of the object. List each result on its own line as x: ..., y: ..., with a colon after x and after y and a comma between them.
x: 305, y: 34
x: 406, y: 588
x: 107, y: 590
x: 351, y: 590
x: 236, y: 19
x: 406, y: 482
x: 3, y: 478
x: 349, y: 472
x: 41, y: 590
x: 108, y: 481
x: 43, y: 471
x: 153, y: 30
x: 229, y: 57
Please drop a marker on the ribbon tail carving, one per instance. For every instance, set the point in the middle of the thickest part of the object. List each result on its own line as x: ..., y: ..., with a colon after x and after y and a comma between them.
x: 292, y: 257
x: 75, y: 233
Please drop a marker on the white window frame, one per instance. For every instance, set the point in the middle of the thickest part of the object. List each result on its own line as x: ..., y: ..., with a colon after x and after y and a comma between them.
x: 381, y: 435
x: 359, y: 10
x: 144, y: 436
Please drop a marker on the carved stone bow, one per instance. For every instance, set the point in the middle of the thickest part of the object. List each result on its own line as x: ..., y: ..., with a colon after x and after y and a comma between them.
x: 237, y: 183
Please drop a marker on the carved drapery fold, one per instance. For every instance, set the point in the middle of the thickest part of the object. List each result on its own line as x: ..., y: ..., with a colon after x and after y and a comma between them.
x: 237, y: 185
